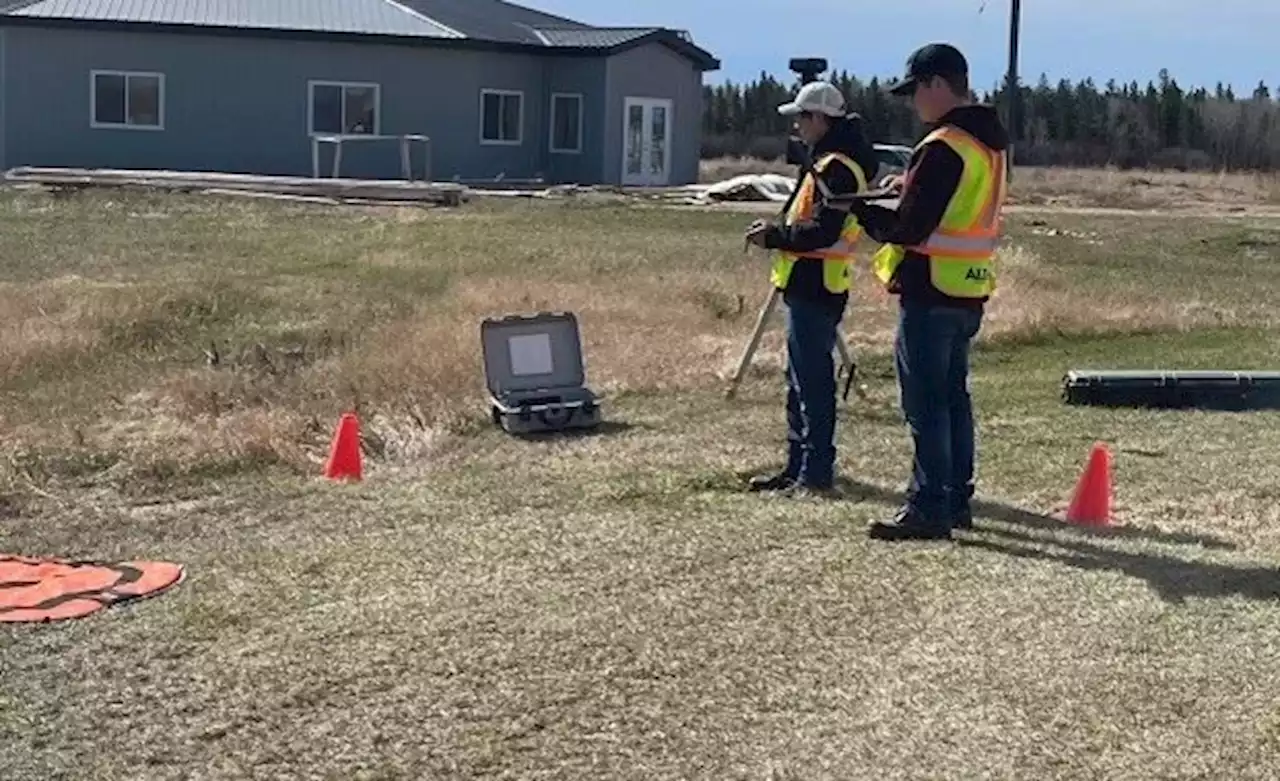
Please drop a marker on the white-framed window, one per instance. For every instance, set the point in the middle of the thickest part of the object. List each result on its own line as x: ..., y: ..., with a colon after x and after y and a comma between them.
x: 501, y: 117
x: 566, y: 122
x: 343, y: 108
x: 126, y: 99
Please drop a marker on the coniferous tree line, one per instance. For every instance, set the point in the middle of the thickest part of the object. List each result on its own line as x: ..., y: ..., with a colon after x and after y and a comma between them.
x: 1159, y: 125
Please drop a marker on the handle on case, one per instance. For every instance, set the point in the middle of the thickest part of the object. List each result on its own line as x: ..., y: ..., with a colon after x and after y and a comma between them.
x: 557, y: 420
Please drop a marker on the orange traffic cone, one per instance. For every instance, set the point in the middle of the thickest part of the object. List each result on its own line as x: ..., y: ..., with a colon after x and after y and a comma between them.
x: 344, y: 454
x: 1091, y: 504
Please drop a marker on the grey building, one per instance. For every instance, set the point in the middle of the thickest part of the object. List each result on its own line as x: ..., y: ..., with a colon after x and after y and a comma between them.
x: 242, y: 86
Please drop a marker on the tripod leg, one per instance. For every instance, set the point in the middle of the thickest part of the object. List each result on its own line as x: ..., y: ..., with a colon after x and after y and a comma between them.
x: 761, y: 321
x: 845, y: 359
x: 848, y: 366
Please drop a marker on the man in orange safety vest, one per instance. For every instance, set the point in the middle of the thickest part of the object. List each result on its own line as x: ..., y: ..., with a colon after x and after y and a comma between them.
x: 937, y: 253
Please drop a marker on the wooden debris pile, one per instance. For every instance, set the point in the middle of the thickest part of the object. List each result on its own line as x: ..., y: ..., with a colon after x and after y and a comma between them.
x: 314, y: 190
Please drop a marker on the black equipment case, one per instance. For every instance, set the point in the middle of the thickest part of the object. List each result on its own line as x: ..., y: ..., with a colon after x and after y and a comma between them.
x: 1213, y: 390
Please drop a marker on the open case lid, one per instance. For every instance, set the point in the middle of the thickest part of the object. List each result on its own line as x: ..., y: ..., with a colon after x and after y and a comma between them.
x: 532, y: 352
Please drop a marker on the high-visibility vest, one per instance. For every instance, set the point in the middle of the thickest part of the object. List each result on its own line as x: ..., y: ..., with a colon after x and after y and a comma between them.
x: 961, y: 249
x: 836, y: 259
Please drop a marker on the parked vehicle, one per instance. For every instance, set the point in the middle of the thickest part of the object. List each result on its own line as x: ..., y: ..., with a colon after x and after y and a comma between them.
x: 893, y: 158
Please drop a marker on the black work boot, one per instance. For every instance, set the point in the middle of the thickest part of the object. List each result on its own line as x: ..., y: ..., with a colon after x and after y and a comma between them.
x: 962, y: 520
x: 909, y: 525
x: 781, y: 481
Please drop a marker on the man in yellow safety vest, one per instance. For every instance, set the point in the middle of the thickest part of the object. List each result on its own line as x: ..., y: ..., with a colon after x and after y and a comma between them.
x: 937, y: 253
x: 812, y: 254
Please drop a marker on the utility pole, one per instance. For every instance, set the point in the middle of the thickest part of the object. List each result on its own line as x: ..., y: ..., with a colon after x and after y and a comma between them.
x: 1011, y: 97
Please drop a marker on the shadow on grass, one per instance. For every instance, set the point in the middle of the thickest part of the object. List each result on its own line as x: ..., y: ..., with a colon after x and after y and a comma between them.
x: 848, y: 490
x: 1016, y: 516
x: 604, y: 428
x: 1173, y: 579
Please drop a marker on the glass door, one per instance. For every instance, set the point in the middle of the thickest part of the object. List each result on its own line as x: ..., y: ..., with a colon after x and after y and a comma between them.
x: 646, y: 145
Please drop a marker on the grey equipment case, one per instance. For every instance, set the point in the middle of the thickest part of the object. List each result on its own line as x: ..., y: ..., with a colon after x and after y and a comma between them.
x: 536, y: 375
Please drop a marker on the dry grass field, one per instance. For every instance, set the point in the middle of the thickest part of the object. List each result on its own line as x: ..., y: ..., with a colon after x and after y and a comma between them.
x: 616, y: 606
x: 1094, y: 188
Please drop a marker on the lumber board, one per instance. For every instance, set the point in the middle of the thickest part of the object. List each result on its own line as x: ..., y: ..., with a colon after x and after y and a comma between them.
x: 388, y: 190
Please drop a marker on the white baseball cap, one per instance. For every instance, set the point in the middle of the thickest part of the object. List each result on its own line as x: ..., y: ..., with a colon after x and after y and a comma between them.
x: 819, y: 97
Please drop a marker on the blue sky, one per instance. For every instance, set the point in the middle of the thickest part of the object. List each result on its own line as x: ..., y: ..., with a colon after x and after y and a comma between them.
x: 1200, y: 42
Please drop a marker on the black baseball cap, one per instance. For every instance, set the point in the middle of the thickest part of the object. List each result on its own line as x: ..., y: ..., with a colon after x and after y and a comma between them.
x: 934, y: 59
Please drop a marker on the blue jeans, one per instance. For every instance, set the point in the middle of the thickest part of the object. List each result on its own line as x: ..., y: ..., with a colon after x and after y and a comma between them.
x: 932, y: 357
x: 811, y: 388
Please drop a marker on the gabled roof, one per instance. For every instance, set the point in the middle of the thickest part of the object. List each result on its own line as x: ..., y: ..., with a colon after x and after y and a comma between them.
x: 488, y: 24
x: 374, y: 17
x: 496, y: 20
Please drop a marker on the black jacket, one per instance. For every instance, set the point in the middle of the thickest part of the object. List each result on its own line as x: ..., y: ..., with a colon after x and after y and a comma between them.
x: 846, y: 137
x: 937, y: 174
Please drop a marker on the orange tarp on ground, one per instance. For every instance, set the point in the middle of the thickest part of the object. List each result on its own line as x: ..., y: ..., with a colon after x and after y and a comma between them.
x: 46, y: 589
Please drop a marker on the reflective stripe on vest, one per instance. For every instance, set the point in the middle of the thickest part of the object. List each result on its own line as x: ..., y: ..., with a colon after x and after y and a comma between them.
x: 836, y: 271
x: 982, y: 182
x: 960, y: 250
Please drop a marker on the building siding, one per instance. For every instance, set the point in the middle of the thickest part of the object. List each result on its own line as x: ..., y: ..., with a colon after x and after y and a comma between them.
x: 4, y: 114
x: 586, y: 78
x: 654, y: 71
x: 240, y: 105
